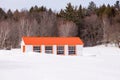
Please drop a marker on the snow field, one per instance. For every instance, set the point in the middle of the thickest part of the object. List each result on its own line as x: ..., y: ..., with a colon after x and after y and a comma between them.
x: 97, y: 63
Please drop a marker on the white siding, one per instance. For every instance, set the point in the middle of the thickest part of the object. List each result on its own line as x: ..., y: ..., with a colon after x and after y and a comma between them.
x: 43, y: 49
x: 79, y: 50
x: 28, y: 48
x: 22, y: 44
x: 22, y: 48
x: 55, y: 49
x: 66, y: 49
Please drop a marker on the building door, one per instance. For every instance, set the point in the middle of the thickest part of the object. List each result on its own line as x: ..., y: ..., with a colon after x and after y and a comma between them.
x: 23, y: 49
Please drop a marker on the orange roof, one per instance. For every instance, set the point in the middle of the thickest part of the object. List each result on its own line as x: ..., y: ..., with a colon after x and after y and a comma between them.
x: 52, y: 41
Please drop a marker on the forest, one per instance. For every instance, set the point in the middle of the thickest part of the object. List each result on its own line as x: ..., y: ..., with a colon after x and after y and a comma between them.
x: 94, y: 25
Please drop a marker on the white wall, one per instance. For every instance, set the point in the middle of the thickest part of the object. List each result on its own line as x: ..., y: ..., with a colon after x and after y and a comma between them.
x: 55, y: 49
x: 43, y: 49
x: 66, y: 49
x: 79, y: 50
x: 22, y: 44
x: 28, y: 48
x: 22, y: 48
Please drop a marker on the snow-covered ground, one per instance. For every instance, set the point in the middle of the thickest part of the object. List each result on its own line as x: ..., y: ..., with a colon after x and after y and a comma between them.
x: 97, y: 63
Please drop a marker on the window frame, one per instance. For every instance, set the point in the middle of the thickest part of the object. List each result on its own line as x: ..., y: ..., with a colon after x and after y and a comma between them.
x: 47, y: 50
x: 38, y: 51
x: 71, y: 50
x: 60, y: 50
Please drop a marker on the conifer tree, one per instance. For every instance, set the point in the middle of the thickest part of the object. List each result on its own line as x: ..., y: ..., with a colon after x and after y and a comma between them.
x: 70, y: 12
x: 91, y: 8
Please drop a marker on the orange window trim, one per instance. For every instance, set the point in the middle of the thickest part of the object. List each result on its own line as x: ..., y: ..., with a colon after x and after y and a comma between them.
x: 64, y: 49
x: 75, y: 50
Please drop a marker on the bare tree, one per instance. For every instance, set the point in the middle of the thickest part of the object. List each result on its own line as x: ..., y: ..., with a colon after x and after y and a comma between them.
x: 47, y: 25
x: 93, y: 31
x: 4, y: 32
x: 112, y: 30
x: 115, y: 36
x: 67, y: 28
x: 106, y: 29
x: 27, y: 26
x: 115, y: 31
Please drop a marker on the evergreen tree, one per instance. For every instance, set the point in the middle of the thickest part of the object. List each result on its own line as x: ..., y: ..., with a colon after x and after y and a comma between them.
x: 91, y: 8
x: 61, y: 14
x: 70, y: 12
x: 117, y: 5
x: 31, y: 10
x: 101, y: 10
x: 79, y: 20
x: 9, y: 14
x: 42, y: 8
x: 2, y: 14
x: 16, y: 15
x: 110, y: 11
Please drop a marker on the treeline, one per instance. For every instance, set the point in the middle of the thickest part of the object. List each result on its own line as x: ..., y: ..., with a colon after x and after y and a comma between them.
x: 94, y: 25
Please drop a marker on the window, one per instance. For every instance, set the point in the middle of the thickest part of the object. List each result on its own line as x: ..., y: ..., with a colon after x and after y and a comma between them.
x: 48, y: 49
x: 71, y: 50
x: 60, y: 50
x: 36, y: 49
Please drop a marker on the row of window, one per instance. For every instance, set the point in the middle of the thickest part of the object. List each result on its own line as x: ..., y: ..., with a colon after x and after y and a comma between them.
x: 60, y: 50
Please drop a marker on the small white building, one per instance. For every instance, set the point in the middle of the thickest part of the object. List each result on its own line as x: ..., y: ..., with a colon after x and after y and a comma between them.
x: 52, y: 45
